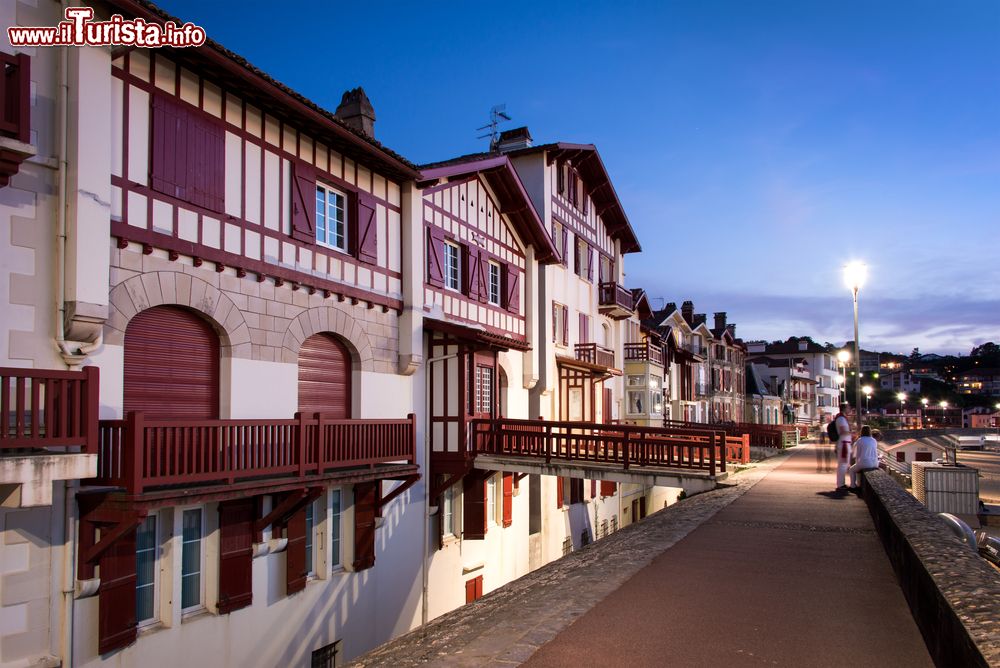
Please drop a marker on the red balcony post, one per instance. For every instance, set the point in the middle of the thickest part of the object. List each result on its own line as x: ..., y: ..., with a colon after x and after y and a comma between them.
x: 625, y: 447
x: 300, y: 440
x: 548, y: 442
x: 320, y: 443
x: 412, y: 459
x: 91, y: 410
x: 133, y: 452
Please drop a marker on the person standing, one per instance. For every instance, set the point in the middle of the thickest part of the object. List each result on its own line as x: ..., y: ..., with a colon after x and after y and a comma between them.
x: 843, y: 446
x: 865, y: 455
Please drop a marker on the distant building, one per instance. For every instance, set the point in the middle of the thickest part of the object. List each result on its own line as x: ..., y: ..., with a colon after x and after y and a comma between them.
x: 983, y: 382
x: 900, y: 381
x: 811, y: 361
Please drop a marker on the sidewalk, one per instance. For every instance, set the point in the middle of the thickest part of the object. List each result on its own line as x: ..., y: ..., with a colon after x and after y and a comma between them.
x: 789, y: 574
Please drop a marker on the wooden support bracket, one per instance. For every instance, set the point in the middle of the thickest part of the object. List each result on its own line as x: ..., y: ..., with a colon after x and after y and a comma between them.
x: 407, y: 484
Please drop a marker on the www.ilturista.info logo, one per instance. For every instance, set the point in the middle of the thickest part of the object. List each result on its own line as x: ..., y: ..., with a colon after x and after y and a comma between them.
x: 79, y: 29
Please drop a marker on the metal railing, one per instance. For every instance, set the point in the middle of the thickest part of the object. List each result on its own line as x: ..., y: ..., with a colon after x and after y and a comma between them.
x: 43, y: 409
x: 137, y: 453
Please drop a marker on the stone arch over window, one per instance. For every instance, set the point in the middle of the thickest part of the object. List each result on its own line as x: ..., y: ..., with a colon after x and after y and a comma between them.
x: 330, y: 319
x: 169, y: 288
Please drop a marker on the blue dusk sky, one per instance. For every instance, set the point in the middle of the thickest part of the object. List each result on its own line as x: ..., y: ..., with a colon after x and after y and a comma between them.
x: 756, y: 146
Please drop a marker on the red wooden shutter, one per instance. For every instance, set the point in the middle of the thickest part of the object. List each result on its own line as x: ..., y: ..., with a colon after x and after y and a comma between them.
x: 479, y: 587
x: 435, y: 257
x: 608, y: 488
x: 169, y: 165
x: 470, y: 590
x: 512, y: 288
x: 560, y: 178
x: 116, y: 624
x: 236, y: 520
x: 508, y: 498
x: 474, y: 506
x: 584, y: 328
x: 366, y: 228
x: 365, y: 500
x: 481, y: 275
x: 593, y: 489
x: 295, y: 553
x: 206, y: 163
x: 469, y: 265
x: 560, y: 502
x: 304, y: 202
x: 565, y: 242
x: 590, y: 263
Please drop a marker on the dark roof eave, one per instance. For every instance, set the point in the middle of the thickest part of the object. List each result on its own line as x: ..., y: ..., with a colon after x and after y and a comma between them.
x: 391, y: 162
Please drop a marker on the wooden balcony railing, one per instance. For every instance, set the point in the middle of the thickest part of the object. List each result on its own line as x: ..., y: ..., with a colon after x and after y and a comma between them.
x: 14, y: 97
x: 623, y: 445
x: 759, y: 435
x: 644, y: 352
x: 614, y: 299
x: 595, y: 354
x: 43, y: 409
x: 139, y: 454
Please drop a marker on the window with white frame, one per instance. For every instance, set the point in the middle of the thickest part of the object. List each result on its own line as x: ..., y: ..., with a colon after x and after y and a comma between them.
x: 491, y: 499
x: 635, y: 398
x: 655, y: 395
x: 310, y: 524
x: 146, y: 549
x: 192, y: 559
x: 452, y: 266
x: 484, y: 389
x: 448, y: 511
x: 494, y: 286
x: 331, y: 217
x: 335, y: 560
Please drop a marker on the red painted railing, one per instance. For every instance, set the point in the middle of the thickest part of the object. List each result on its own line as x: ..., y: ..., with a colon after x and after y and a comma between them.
x: 43, y: 409
x: 595, y: 354
x: 139, y: 454
x: 14, y: 96
x: 611, y: 294
x: 623, y: 445
x: 760, y: 435
x: 642, y: 352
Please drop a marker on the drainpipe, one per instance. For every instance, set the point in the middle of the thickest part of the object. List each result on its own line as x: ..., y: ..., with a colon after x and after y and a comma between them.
x: 424, y: 612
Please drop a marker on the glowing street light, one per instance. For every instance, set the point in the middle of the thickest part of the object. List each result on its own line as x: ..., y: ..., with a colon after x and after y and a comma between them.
x: 842, y: 357
x: 925, y: 401
x: 902, y: 407
x: 855, y: 274
x: 867, y: 389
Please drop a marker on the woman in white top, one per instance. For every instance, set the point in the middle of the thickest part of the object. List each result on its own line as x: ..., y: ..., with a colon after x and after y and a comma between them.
x: 865, y: 455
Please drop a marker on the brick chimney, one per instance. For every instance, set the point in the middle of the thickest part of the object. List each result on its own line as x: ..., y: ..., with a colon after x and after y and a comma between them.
x: 732, y: 329
x: 511, y: 140
x: 687, y: 311
x: 720, y: 320
x: 699, y: 319
x: 357, y: 112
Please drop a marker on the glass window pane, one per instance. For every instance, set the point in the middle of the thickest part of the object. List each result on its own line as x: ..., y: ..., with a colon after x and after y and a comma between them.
x: 145, y: 568
x: 335, y: 527
x: 190, y: 590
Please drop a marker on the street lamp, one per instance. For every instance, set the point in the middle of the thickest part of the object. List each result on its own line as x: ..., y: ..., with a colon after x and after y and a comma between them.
x: 855, y: 274
x: 842, y: 357
x: 902, y: 407
x: 924, y: 401
x: 867, y: 389
x: 944, y: 416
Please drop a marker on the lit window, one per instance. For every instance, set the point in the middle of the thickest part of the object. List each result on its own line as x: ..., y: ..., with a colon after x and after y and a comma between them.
x: 145, y: 570
x: 494, y: 284
x: 452, y: 267
x: 335, y: 528
x: 191, y: 559
x: 331, y: 218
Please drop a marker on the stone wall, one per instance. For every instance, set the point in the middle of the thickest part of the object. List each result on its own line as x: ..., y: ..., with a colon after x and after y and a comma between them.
x: 954, y: 593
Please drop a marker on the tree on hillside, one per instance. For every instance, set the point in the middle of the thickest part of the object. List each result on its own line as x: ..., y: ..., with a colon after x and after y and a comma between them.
x: 915, y: 354
x: 988, y: 349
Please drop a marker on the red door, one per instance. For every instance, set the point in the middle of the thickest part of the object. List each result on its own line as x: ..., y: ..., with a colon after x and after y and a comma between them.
x: 325, y: 377
x: 171, y: 365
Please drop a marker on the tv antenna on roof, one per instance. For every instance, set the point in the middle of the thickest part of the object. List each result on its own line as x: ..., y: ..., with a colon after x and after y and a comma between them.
x: 498, y: 115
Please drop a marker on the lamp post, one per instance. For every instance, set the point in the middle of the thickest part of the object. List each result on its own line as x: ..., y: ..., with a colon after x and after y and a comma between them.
x: 855, y: 274
x: 924, y: 401
x: 944, y: 414
x: 842, y: 357
x: 867, y: 389
x: 902, y: 407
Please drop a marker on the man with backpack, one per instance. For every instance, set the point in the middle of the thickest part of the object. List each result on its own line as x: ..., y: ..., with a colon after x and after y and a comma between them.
x: 840, y: 433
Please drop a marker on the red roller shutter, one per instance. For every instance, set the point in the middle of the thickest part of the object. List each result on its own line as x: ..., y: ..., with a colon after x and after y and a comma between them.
x: 236, y: 519
x: 325, y: 377
x: 171, y: 365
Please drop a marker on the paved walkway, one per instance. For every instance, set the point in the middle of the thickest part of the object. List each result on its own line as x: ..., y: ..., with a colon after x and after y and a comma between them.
x: 790, y: 574
x: 772, y: 569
